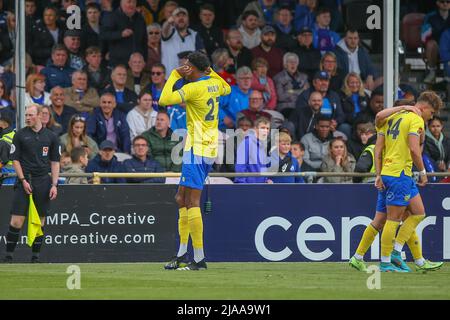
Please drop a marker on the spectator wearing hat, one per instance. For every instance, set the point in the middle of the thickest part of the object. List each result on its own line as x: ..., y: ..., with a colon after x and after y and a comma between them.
x: 79, y: 96
x: 178, y: 37
x: 61, y: 112
x: 58, y: 72
x: 351, y: 57
x: 305, y: 14
x: 45, y: 35
x: 124, y: 32
x: 106, y: 161
x: 241, y: 55
x: 266, y: 50
x: 264, y: 83
x: 211, y: 35
x: 73, y: 44
x: 286, y: 34
x: 289, y: 83
x: 137, y: 79
x: 331, y: 106
x: 309, y: 56
x: 324, y: 39
x: 109, y: 123
x: 249, y: 29
x: 126, y: 99
x: 141, y: 162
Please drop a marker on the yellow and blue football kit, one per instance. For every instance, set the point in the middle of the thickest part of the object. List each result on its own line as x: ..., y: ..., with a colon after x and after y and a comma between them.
x: 397, y: 162
x: 202, y: 106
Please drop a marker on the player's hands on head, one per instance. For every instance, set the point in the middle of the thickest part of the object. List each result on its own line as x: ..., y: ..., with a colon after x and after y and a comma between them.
x: 184, y: 70
x: 208, y: 71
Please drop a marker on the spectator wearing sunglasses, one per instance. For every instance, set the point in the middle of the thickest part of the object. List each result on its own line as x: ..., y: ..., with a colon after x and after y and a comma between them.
x: 153, y: 45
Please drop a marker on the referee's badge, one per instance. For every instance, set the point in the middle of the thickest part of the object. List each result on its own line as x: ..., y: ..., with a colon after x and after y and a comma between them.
x: 44, y: 151
x: 13, y: 149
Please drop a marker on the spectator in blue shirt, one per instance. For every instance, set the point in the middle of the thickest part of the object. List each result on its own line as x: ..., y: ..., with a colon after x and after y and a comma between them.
x: 252, y: 153
x: 106, y: 161
x: 142, y: 163
x: 286, y: 162
x: 324, y: 38
x: 57, y: 72
x: 237, y: 100
x: 305, y: 14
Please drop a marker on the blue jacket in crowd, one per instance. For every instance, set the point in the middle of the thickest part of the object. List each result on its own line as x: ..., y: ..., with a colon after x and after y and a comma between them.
x: 96, y: 128
x: 149, y: 165
x: 288, y: 164
x: 98, y: 165
x: 57, y: 76
x: 232, y: 104
x: 365, y: 64
x: 251, y: 157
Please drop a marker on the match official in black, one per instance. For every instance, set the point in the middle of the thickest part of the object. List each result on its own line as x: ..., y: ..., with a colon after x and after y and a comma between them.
x: 35, y: 152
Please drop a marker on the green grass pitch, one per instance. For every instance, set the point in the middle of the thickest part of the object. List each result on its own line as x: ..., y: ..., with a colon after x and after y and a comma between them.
x: 222, y: 281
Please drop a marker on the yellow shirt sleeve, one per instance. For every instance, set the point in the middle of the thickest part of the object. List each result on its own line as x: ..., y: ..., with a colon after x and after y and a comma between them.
x: 225, y: 88
x: 417, y: 126
x: 382, y: 129
x: 169, y: 97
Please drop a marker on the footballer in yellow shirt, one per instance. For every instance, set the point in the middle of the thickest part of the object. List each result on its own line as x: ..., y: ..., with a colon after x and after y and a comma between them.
x: 400, y: 135
x: 201, y: 96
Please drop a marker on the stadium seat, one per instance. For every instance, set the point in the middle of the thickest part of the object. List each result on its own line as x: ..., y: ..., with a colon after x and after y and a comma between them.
x: 410, y: 31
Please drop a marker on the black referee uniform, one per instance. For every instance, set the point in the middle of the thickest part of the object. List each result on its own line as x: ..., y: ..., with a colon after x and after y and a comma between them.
x: 34, y: 151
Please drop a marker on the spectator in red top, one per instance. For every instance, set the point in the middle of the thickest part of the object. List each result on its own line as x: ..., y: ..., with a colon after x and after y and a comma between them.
x: 223, y: 65
x: 255, y: 107
x: 266, y: 50
x: 264, y: 83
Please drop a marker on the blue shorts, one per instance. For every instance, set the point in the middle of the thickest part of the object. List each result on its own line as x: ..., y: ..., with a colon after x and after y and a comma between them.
x: 194, y: 170
x: 398, y: 191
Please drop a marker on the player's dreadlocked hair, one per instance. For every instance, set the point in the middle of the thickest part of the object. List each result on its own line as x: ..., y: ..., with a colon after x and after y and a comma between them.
x: 432, y: 99
x: 199, y: 60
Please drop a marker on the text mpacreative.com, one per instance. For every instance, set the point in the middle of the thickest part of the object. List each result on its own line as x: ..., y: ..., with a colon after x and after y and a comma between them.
x: 91, y: 238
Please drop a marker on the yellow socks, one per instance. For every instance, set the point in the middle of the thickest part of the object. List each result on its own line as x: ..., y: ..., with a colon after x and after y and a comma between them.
x: 414, y: 246
x: 387, y: 239
x: 406, y: 230
x: 366, y: 241
x: 196, y: 232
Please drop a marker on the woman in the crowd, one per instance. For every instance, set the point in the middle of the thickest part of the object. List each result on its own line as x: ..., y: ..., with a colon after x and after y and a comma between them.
x: 437, y: 146
x: 354, y: 99
x: 35, y: 90
x: 328, y: 63
x: 49, y: 122
x: 76, y: 136
x: 5, y: 101
x: 290, y: 83
x: 338, y: 160
x: 263, y: 83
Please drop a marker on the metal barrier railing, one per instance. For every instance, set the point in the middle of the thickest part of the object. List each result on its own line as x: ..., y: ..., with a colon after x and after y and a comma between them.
x: 97, y: 176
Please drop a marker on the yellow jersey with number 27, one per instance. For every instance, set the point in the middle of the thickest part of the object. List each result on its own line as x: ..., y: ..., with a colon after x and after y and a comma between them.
x: 202, y: 107
x: 396, y: 130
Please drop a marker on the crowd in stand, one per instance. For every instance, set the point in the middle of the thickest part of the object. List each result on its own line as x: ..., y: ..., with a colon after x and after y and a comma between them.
x: 292, y: 65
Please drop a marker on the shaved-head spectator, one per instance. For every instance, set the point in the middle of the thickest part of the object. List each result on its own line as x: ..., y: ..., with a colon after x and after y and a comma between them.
x: 61, y: 112
x: 109, y: 123
x: 137, y: 79
x: 125, y: 32
x: 79, y: 95
x: 126, y: 99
